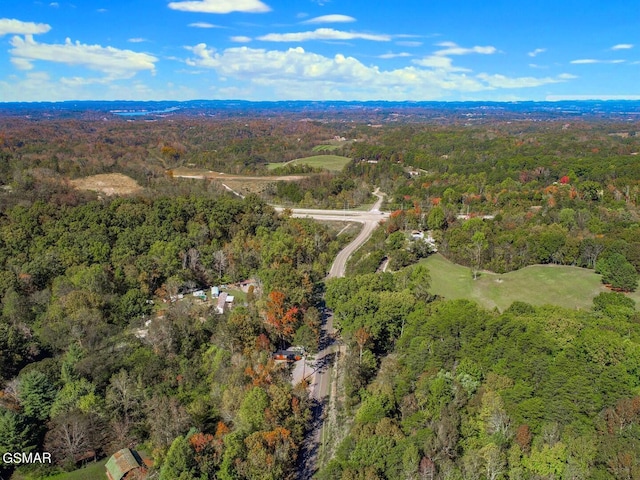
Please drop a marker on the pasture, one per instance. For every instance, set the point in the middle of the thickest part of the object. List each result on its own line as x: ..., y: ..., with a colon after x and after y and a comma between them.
x: 570, y: 287
x: 326, y: 148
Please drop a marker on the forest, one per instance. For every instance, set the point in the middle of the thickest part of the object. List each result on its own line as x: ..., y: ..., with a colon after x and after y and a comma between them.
x: 445, y: 389
x: 97, y: 353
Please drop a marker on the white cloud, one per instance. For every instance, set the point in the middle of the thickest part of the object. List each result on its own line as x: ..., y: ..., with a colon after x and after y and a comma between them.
x: 452, y: 48
x: 323, y: 34
x: 298, y: 74
x: 588, y: 61
x: 137, y: 40
x: 389, y: 55
x: 54, y: 4
x: 595, y: 96
x: 439, y: 62
x: 115, y: 63
x: 440, y: 58
x: 501, y: 81
x: 17, y: 27
x: 537, y: 52
x: 40, y: 86
x: 622, y: 46
x: 240, y: 39
x: 204, y: 25
x: 220, y: 6
x: 335, y: 18
x: 409, y: 43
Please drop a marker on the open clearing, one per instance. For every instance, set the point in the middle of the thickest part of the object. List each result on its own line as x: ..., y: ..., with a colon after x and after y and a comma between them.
x: 108, y: 183
x: 570, y: 287
x: 239, y: 183
x: 326, y: 148
x: 333, y: 163
x: 93, y: 471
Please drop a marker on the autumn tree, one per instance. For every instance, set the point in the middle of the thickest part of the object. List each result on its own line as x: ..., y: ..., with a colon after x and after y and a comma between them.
x: 280, y: 318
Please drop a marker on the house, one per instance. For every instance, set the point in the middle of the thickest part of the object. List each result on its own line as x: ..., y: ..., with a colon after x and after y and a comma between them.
x: 126, y: 464
x: 215, y: 291
x: 222, y: 301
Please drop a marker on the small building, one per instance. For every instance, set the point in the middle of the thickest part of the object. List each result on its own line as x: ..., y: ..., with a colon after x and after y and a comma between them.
x: 126, y: 464
x: 215, y: 291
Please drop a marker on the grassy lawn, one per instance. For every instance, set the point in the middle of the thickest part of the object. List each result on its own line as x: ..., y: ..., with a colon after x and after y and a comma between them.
x: 334, y: 163
x: 571, y: 287
x: 326, y: 148
x: 93, y: 471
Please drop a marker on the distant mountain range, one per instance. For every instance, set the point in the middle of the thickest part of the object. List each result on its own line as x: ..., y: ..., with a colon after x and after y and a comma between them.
x: 373, y: 111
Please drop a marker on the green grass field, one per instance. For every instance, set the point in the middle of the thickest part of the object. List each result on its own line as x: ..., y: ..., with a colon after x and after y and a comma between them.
x: 93, y: 471
x: 570, y: 287
x: 326, y: 148
x: 334, y: 163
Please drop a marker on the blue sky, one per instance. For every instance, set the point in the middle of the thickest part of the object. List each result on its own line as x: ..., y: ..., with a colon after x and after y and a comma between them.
x: 319, y: 50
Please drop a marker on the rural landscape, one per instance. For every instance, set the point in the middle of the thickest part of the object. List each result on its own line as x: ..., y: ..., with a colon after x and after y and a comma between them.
x: 357, y: 291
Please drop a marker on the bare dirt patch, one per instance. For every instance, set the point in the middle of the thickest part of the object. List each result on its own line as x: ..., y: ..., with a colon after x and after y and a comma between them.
x: 108, y: 183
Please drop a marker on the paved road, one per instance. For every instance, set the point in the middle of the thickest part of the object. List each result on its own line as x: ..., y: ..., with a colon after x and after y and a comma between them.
x: 324, y: 365
x: 370, y: 220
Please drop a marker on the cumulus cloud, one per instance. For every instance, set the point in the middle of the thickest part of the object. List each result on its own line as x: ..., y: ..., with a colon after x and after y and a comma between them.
x: 537, y: 52
x: 296, y: 73
x: 335, y: 18
x: 115, y: 63
x: 220, y: 6
x: 10, y: 26
x: 240, y: 39
x: 622, y: 46
x: 323, y: 34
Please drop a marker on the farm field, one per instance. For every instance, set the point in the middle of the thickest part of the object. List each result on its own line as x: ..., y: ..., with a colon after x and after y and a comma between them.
x: 571, y: 287
x: 334, y: 163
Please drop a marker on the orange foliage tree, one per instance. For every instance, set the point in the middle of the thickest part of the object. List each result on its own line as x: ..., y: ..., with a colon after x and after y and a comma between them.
x: 281, y: 319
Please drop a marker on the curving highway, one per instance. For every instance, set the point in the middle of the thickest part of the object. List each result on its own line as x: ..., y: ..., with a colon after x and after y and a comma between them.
x: 324, y: 363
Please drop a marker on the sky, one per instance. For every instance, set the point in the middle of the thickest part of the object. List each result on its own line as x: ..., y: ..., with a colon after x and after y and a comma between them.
x: 445, y: 50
